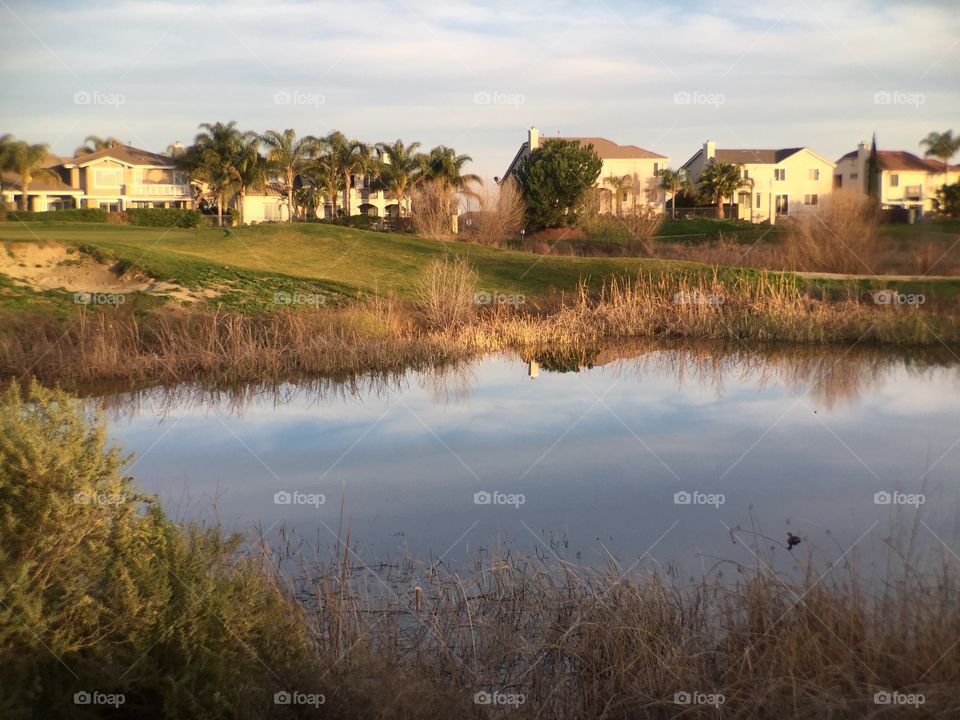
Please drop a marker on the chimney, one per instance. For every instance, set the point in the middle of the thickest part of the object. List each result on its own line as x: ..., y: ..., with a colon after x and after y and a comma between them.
x: 709, y: 150
x: 533, y: 139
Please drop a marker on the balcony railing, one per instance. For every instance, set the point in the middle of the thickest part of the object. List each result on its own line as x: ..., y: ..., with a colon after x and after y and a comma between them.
x: 158, y: 190
x: 913, y: 192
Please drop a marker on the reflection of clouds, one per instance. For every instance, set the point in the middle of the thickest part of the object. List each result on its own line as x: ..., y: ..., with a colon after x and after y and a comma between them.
x: 599, y: 481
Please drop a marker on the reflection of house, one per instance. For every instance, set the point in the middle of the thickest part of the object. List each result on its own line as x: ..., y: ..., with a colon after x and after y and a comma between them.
x: 903, y: 180
x: 641, y: 166
x: 776, y: 182
x: 115, y: 178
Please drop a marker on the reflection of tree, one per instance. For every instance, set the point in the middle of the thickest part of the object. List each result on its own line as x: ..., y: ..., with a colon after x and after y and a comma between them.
x: 832, y: 376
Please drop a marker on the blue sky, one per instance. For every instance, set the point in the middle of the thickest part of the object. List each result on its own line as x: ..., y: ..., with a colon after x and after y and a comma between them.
x: 476, y: 75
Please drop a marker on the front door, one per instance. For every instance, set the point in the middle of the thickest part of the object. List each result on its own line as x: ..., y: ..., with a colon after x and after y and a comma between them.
x: 783, y: 207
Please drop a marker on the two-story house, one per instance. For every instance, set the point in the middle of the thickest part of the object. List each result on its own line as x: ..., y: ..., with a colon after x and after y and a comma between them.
x: 640, y: 166
x: 114, y: 179
x: 776, y: 183
x: 902, y: 180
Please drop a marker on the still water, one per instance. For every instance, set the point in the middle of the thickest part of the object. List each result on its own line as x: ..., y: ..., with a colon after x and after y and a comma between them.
x: 670, y: 457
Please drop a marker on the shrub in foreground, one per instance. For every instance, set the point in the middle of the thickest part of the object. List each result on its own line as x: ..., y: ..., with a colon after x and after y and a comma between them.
x: 101, y: 593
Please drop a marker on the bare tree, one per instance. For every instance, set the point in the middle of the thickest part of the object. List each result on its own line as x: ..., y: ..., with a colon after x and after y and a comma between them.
x: 499, y: 217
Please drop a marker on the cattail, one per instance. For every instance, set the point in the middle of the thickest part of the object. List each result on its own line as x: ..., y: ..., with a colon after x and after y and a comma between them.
x: 418, y: 599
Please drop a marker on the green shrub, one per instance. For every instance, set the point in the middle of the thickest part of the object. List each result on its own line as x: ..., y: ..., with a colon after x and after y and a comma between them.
x: 92, y: 215
x: 362, y: 222
x: 101, y: 592
x: 164, y: 217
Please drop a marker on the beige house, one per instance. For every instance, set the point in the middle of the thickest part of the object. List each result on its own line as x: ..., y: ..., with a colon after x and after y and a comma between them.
x: 903, y: 179
x: 114, y: 179
x: 641, y: 166
x: 777, y: 183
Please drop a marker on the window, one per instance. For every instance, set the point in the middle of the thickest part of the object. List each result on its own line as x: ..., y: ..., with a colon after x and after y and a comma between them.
x: 107, y: 177
x: 810, y: 199
x: 782, y: 205
x: 758, y: 201
x: 110, y: 206
x: 656, y: 168
x: 746, y: 174
x: 626, y: 195
x: 894, y: 181
x: 780, y: 174
x: 838, y: 181
x: 814, y: 174
x: 179, y: 178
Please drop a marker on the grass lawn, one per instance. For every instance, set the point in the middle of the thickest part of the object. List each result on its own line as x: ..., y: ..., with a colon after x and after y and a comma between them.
x: 248, y: 265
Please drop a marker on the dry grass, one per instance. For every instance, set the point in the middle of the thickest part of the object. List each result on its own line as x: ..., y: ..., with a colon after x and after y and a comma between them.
x: 499, y: 217
x: 580, y: 643
x: 383, y: 334
x: 431, y: 207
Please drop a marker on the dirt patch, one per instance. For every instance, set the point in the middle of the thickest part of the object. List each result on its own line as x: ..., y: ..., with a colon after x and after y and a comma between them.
x: 51, y: 266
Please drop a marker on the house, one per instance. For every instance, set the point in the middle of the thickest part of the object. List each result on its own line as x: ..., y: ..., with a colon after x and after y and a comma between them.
x: 903, y: 180
x: 777, y: 183
x: 619, y: 161
x: 114, y: 179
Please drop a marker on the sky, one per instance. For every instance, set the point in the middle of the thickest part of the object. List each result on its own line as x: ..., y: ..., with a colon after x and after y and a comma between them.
x: 476, y: 75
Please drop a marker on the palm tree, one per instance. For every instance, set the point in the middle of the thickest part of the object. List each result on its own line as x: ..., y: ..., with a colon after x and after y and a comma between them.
x: 350, y: 157
x: 93, y: 143
x: 325, y: 174
x: 619, y: 185
x: 443, y: 164
x: 229, y: 161
x: 26, y: 161
x: 287, y: 156
x: 674, y: 182
x: 942, y: 146
x: 719, y: 180
x: 402, y: 166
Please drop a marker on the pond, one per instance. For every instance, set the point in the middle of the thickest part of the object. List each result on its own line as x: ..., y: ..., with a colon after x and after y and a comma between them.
x: 674, y: 457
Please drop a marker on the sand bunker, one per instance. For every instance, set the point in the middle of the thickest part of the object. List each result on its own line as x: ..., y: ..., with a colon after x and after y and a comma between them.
x: 50, y: 266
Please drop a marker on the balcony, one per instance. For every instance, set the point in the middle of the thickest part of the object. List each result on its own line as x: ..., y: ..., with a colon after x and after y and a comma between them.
x: 157, y: 190
x: 913, y: 192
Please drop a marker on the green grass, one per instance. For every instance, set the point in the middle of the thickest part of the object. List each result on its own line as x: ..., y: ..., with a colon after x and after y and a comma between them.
x: 248, y: 265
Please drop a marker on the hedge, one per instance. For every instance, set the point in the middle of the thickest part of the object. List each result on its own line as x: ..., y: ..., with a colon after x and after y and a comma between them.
x: 92, y: 215
x: 164, y: 217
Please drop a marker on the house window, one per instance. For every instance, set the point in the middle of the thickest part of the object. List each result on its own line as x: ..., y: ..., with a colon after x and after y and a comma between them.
x: 625, y: 196
x: 810, y: 199
x: 110, y: 206
x: 107, y: 177
x: 656, y: 168
x: 853, y: 176
x: 894, y: 181
x: 179, y: 178
x: 758, y: 201
x: 782, y: 204
x: 746, y: 174
x: 814, y: 174
x: 780, y: 174
x: 838, y: 181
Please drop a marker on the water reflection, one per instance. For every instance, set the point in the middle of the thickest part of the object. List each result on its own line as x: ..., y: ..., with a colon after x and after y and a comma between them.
x: 599, y: 445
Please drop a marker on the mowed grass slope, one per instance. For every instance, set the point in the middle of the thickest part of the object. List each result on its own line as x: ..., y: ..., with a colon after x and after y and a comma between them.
x: 344, y: 259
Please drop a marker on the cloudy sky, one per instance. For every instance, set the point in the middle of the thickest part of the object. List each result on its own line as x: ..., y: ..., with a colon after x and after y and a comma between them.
x: 476, y: 75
